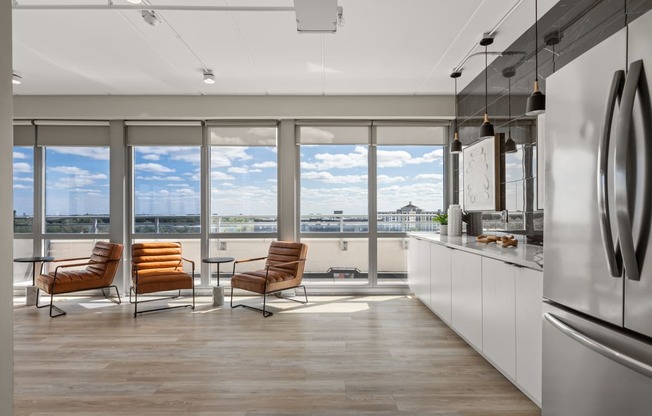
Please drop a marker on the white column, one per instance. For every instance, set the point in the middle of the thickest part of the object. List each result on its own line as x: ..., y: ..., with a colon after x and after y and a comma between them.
x: 287, y: 180
x: 118, y: 204
x: 6, y: 215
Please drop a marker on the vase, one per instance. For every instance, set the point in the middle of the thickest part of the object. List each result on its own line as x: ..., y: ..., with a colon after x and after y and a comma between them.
x: 443, y: 229
x: 474, y: 223
x: 454, y: 220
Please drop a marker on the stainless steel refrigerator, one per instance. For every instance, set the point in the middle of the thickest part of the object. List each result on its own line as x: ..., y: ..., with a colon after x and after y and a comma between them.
x: 597, y: 329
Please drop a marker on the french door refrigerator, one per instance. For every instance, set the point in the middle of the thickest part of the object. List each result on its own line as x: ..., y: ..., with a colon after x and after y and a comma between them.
x: 597, y: 327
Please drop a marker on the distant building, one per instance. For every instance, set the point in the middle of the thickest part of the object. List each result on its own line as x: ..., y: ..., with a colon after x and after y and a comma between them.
x: 407, y: 218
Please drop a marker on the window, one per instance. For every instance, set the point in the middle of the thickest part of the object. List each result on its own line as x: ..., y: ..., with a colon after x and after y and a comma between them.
x: 23, y: 189
x: 76, y: 190
x: 167, y: 189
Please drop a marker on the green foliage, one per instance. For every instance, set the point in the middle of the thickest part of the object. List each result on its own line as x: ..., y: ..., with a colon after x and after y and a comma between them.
x: 441, y: 218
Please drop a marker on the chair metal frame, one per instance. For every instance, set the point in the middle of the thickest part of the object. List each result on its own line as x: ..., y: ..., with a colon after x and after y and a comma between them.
x: 61, y: 312
x: 134, y: 289
x: 264, y: 310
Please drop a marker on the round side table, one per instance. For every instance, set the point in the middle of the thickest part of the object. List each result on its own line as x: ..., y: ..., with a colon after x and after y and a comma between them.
x: 30, y: 291
x: 218, y: 291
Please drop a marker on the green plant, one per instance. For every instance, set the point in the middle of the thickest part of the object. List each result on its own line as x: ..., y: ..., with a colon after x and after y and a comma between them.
x: 441, y: 218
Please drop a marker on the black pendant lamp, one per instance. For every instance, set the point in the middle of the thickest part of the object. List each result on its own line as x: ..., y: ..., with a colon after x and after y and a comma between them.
x: 536, y: 103
x: 456, y: 146
x: 510, y: 144
x: 486, y: 129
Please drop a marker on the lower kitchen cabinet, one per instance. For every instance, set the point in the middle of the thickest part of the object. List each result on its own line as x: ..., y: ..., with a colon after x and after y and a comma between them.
x: 499, y: 314
x: 441, y: 282
x: 466, y: 296
x: 529, y: 289
x: 494, y: 305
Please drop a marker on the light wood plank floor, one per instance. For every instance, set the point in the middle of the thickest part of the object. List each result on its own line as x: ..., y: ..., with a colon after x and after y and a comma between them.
x: 340, y: 355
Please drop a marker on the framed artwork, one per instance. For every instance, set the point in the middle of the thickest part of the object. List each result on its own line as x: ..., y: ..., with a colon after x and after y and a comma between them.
x: 482, y: 175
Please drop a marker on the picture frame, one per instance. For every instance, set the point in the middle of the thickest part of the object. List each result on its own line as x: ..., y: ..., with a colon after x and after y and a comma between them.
x: 482, y: 180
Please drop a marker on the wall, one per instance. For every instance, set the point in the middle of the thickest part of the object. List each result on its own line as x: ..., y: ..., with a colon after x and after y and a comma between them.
x: 6, y: 214
x: 581, y: 25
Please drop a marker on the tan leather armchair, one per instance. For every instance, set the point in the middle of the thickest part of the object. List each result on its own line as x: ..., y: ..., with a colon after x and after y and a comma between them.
x: 99, y: 273
x: 158, y: 267
x: 283, y: 270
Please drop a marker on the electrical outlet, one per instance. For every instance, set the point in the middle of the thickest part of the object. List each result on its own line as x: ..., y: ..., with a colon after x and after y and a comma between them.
x: 344, y: 245
x: 222, y: 246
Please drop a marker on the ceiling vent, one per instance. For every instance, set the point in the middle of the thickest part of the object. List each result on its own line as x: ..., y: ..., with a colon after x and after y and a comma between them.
x: 317, y: 16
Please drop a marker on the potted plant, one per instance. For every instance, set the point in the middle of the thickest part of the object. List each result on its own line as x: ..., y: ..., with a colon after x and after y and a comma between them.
x: 442, y: 219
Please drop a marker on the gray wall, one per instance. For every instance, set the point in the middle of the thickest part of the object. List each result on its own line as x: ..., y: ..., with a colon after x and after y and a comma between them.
x: 6, y: 214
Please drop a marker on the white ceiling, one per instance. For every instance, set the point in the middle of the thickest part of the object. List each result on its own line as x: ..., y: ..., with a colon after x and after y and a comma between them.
x: 405, y: 47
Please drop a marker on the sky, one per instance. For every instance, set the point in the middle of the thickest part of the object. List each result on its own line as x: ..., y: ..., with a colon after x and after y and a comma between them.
x: 244, y: 179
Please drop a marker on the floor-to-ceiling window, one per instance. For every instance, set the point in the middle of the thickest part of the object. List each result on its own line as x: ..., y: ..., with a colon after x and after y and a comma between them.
x: 166, y: 185
x: 334, y: 208
x: 410, y: 190
x: 243, y: 192
x: 23, y: 202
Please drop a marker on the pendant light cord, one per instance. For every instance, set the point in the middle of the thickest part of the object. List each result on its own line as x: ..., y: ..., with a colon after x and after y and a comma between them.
x: 486, y: 82
x: 509, y: 107
x: 536, y: 40
x: 455, y: 130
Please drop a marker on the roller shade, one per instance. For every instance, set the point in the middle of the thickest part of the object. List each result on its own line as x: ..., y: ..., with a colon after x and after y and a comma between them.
x: 70, y: 133
x: 164, y: 134
x: 325, y: 134
x: 411, y: 135
x: 24, y: 135
x: 242, y: 136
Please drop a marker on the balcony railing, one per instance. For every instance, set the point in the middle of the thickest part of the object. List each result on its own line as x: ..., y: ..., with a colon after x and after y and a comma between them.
x: 232, y: 224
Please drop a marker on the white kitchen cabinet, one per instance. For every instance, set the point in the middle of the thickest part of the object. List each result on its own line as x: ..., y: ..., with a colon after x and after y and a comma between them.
x: 440, y: 281
x: 529, y: 289
x: 419, y: 269
x: 466, y: 298
x: 499, y: 314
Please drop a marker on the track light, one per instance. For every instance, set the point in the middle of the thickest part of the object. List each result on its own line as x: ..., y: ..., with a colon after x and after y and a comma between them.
x: 150, y: 17
x: 16, y: 79
x: 456, y: 146
x: 209, y: 78
x: 486, y: 129
x: 536, y: 103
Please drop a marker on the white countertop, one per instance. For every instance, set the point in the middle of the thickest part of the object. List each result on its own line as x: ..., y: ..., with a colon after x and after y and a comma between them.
x: 525, y: 255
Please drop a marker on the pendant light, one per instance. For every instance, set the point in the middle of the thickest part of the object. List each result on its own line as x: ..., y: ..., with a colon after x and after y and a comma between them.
x: 456, y: 146
x: 536, y: 103
x: 510, y: 144
x: 486, y: 129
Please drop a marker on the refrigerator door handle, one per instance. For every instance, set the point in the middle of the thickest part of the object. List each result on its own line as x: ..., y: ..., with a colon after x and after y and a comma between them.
x: 596, y: 346
x: 612, y: 253
x: 623, y: 133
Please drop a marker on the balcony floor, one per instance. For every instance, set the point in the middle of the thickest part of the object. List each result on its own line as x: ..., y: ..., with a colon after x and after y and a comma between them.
x: 339, y: 355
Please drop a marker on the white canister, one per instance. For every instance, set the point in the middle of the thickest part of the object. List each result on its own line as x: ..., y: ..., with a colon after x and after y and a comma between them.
x: 454, y: 220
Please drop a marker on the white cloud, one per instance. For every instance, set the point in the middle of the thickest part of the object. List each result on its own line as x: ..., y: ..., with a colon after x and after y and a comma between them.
x: 268, y: 164
x: 328, y: 177
x: 390, y: 179
x: 435, y: 155
x: 221, y: 176
x: 96, y: 153
x: 153, y: 167
x: 189, y: 154
x: 243, y: 170
x: 186, y: 192
x: 223, y: 156
x: 327, y: 161
x: 18, y: 155
x: 19, y: 179
x: 19, y: 186
x: 393, y: 158
x: 159, y: 178
x: 152, y: 157
x: 22, y: 167
x: 429, y: 176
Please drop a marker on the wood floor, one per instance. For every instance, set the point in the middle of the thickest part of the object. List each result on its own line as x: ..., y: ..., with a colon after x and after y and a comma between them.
x: 376, y: 355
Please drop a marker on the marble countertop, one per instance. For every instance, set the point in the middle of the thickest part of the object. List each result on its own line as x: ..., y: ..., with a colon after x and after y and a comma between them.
x: 525, y: 255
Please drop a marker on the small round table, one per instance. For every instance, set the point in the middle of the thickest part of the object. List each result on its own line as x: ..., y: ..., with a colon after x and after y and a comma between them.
x: 34, y: 260
x: 31, y: 292
x: 218, y: 291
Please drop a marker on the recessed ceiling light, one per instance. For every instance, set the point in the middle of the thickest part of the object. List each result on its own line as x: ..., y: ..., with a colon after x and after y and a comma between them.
x: 16, y: 79
x: 209, y: 78
x: 135, y: 1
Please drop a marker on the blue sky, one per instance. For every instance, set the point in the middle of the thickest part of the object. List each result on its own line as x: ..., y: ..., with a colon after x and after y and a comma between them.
x: 244, y: 179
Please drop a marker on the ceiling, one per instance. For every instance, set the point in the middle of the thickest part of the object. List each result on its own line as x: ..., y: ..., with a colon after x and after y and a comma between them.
x: 406, y: 47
